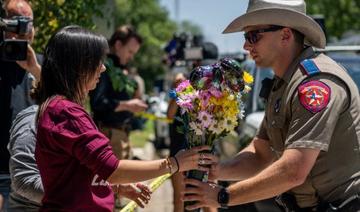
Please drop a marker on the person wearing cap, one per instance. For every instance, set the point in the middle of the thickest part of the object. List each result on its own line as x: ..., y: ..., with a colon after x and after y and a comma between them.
x: 306, y: 151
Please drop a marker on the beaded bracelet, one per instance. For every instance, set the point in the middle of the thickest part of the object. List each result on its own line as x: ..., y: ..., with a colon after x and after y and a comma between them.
x: 177, y: 163
x: 168, y: 164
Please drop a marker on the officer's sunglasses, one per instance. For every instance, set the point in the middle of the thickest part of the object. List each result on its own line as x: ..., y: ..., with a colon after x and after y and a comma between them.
x: 253, y: 36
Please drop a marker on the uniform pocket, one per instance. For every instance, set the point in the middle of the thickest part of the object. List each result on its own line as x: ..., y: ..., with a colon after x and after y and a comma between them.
x: 276, y: 122
x: 276, y: 132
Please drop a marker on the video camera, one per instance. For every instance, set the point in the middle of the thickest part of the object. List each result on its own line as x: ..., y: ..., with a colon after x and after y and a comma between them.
x: 14, y: 49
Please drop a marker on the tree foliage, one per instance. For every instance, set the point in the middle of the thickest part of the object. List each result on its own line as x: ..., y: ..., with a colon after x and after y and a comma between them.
x: 340, y: 15
x: 149, y: 18
x: 188, y: 26
x: 153, y: 24
x: 51, y: 15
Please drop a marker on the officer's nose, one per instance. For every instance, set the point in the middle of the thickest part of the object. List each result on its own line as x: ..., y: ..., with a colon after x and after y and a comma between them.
x: 247, y: 46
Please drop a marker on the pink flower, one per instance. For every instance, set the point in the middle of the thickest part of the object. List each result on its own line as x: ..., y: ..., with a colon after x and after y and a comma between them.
x: 182, y: 86
x: 204, y: 96
x: 185, y: 103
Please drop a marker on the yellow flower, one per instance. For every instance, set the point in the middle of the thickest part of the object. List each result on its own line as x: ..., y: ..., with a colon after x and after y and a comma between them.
x: 215, y: 101
x: 231, y: 97
x: 248, y: 78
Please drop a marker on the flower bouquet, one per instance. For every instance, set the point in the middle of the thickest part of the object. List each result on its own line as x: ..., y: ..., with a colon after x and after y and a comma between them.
x: 211, y: 104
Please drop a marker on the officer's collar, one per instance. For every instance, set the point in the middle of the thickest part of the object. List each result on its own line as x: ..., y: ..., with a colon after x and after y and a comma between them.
x: 308, y: 52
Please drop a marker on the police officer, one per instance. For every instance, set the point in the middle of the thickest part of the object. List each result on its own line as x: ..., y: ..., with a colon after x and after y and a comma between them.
x: 307, y: 147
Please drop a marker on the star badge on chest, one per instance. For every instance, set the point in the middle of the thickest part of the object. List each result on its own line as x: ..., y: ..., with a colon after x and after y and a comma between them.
x: 314, y: 95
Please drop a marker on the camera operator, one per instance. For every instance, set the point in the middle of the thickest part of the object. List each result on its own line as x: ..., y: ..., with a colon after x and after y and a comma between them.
x: 16, y: 80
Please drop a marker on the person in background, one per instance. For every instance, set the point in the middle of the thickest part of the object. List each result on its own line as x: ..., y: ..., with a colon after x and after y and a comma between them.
x: 134, y: 74
x: 177, y: 143
x: 114, y: 100
x: 137, y: 123
x: 306, y: 151
x: 209, y: 52
x: 26, y: 187
x: 76, y: 163
x: 16, y: 81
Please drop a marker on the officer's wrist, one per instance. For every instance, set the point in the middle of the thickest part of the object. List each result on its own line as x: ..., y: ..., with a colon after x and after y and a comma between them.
x: 223, y: 197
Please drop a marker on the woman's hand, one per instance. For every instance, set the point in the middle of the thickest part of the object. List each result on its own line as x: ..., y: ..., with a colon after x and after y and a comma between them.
x: 193, y: 159
x: 214, y: 173
x: 135, y: 192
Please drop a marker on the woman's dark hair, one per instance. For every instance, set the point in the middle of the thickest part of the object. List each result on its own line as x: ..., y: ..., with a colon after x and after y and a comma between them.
x: 72, y: 57
x: 124, y: 34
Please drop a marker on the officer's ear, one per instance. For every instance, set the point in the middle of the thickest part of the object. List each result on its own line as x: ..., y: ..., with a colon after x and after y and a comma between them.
x: 286, y: 35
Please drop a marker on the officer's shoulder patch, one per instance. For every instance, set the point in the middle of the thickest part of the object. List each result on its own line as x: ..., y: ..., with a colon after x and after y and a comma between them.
x: 309, y: 67
x: 314, y: 95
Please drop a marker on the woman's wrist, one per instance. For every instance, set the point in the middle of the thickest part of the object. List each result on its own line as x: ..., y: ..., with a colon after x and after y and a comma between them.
x: 175, y: 164
x: 171, y: 165
x: 116, y: 188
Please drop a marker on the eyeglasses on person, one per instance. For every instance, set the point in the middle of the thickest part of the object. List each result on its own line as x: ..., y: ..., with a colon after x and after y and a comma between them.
x: 253, y: 36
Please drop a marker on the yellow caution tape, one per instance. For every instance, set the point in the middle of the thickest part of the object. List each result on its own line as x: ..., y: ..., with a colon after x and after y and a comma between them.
x: 130, y: 207
x: 153, y: 117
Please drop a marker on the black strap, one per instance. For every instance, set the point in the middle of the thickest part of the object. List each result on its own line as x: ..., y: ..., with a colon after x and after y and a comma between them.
x: 266, y: 87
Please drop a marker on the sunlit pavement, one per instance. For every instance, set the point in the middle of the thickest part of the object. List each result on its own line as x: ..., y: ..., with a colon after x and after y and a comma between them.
x: 161, y: 199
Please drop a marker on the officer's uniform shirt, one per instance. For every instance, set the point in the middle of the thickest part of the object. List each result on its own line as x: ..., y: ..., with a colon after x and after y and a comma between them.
x: 320, y: 111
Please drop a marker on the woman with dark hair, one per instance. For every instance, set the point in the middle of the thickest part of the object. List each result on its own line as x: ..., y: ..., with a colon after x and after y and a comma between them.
x: 76, y: 163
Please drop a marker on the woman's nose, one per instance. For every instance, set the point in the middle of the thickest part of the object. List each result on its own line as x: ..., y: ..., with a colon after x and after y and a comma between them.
x: 103, y: 68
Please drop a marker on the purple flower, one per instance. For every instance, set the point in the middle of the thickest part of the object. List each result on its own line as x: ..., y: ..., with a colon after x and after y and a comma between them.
x: 215, y: 92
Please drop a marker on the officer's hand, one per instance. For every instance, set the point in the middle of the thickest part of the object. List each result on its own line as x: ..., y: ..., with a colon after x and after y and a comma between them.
x: 31, y: 65
x: 204, y: 194
x: 132, y: 105
x: 139, y: 193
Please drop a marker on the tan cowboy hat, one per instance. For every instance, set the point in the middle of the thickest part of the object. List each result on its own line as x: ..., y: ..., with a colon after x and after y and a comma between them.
x: 288, y: 13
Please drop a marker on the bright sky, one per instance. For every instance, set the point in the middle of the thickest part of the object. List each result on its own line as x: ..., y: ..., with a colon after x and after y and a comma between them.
x: 212, y: 16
